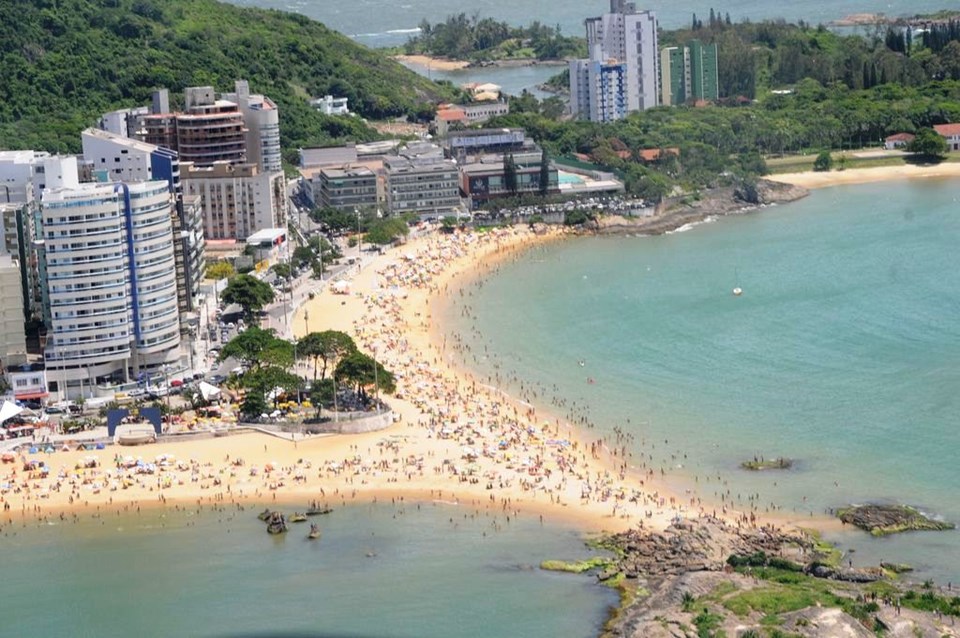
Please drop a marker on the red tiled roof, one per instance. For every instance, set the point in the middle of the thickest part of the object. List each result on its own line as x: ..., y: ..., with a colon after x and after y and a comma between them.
x: 450, y: 115
x: 901, y: 137
x: 653, y: 154
x: 947, y: 130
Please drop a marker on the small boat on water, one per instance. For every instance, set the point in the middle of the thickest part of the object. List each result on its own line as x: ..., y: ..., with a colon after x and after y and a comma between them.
x: 314, y: 533
x: 277, y: 523
x: 314, y: 510
x: 264, y: 515
x: 737, y: 291
x: 298, y: 517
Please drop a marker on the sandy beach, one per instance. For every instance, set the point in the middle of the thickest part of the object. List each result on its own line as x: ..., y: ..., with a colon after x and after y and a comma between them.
x: 454, y: 439
x: 430, y: 62
x: 811, y: 179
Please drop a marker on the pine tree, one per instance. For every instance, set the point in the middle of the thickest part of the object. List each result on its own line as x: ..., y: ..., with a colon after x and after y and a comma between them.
x: 544, y: 172
x: 510, y: 174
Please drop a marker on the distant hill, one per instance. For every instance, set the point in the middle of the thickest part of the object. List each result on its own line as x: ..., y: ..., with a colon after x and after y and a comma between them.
x: 63, y: 62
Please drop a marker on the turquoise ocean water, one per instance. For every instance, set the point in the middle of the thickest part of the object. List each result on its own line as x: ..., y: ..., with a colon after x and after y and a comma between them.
x: 378, y: 571
x: 842, y: 353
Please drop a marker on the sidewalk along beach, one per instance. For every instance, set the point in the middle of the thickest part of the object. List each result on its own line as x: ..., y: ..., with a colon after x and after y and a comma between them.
x: 454, y: 439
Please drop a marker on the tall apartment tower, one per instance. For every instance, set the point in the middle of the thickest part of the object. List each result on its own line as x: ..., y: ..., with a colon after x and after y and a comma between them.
x: 629, y: 37
x: 109, y: 281
x: 121, y: 159
x: 262, y: 119
x: 689, y: 74
x: 598, y: 88
x: 209, y: 130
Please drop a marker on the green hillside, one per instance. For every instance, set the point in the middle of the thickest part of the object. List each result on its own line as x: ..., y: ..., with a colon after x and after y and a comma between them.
x: 63, y: 62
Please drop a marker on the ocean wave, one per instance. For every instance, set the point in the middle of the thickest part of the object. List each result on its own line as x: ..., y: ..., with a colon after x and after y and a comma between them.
x: 384, y: 34
x: 691, y: 225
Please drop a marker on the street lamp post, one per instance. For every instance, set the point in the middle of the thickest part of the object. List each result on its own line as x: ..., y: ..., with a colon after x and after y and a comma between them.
x: 376, y: 383
x: 359, y: 242
x: 296, y: 370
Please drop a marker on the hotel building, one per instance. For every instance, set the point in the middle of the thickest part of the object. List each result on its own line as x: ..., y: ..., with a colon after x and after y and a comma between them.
x: 109, y: 282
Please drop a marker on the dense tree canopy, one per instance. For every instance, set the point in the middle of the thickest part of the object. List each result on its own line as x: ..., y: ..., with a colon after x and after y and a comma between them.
x: 248, y: 292
x: 364, y: 372
x: 928, y: 143
x: 64, y: 63
x: 326, y: 347
x: 472, y: 37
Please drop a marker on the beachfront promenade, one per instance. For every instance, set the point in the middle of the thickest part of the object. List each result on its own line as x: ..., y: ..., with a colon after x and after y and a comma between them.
x: 455, y: 439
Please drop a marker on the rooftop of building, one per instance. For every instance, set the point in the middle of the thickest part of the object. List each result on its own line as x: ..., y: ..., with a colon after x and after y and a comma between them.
x: 483, y: 132
x: 397, y: 165
x: 82, y: 190
x: 947, y: 130
x: 120, y: 140
x: 346, y: 171
x: 8, y: 261
x: 266, y: 235
x: 188, y: 170
x: 22, y: 157
x: 373, y: 165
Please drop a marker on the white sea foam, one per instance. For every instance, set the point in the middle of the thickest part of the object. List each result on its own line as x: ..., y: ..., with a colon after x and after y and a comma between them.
x: 691, y: 226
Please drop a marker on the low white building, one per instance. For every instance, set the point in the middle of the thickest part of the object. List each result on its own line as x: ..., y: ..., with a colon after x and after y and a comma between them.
x: 269, y: 244
x: 329, y: 105
x: 28, y: 382
x: 950, y: 133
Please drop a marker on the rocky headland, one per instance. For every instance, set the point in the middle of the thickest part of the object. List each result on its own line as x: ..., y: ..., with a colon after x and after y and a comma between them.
x: 674, y: 213
x: 881, y: 520
x: 707, y: 578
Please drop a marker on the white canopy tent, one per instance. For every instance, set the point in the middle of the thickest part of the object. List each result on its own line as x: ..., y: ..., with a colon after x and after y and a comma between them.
x: 208, y: 392
x: 9, y: 410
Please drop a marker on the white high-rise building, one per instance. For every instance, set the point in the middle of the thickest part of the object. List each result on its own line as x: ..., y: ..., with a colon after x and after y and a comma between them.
x: 598, y: 88
x: 623, y: 36
x: 109, y: 282
x: 13, y: 344
x: 122, y: 159
x: 262, y: 119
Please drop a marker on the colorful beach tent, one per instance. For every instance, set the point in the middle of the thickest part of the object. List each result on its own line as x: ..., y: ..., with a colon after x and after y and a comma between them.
x: 9, y: 410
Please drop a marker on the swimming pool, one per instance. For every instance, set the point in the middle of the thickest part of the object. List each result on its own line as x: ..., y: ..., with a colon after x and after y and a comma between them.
x: 569, y: 178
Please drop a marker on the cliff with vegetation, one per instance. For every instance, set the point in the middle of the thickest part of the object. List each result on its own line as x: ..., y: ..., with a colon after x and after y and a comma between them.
x: 787, y: 90
x: 64, y: 62
x: 484, y: 39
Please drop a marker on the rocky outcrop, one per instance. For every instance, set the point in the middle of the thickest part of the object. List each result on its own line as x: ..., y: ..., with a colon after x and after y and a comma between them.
x: 678, y: 212
x: 881, y: 520
x: 697, y: 545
